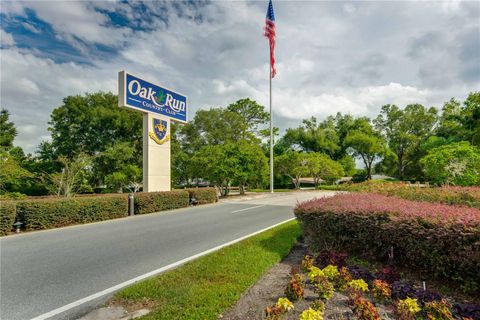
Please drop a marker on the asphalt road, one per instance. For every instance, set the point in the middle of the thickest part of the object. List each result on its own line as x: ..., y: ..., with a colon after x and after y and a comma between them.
x: 47, y: 270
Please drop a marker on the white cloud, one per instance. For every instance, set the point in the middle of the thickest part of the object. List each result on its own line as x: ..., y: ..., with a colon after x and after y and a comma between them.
x: 350, y: 58
x: 6, y: 39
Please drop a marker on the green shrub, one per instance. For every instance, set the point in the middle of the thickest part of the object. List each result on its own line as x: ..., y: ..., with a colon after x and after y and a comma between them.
x: 158, y: 201
x: 49, y: 213
x: 7, y: 216
x: 203, y: 195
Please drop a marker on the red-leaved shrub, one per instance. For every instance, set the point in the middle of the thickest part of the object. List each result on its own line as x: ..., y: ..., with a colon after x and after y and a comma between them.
x: 443, y: 240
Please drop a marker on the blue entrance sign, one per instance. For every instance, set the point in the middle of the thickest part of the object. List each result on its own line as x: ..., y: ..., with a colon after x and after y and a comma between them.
x: 141, y: 95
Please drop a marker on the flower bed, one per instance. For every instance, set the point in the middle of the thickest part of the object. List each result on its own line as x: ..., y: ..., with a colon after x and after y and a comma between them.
x: 369, y: 298
x: 468, y: 196
x: 438, y: 239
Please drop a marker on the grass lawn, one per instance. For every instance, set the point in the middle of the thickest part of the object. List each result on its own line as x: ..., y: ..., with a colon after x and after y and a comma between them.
x: 204, y: 288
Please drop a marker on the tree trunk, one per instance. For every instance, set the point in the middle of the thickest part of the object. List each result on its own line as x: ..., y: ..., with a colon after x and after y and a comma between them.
x: 241, y: 188
x: 369, y: 170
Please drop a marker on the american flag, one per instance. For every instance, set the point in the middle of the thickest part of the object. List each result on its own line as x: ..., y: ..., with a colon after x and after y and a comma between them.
x: 270, y: 34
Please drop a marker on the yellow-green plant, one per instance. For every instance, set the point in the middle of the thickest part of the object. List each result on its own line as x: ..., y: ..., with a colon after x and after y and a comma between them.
x: 438, y: 310
x: 331, y: 272
x: 311, y: 314
x: 275, y: 312
x: 323, y: 288
x: 315, y: 272
x: 285, y: 304
x: 358, y: 285
x: 318, y: 305
x: 307, y: 263
x: 343, y: 279
x: 406, y: 309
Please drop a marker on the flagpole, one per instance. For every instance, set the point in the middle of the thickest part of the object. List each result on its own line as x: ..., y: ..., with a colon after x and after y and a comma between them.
x: 271, y: 134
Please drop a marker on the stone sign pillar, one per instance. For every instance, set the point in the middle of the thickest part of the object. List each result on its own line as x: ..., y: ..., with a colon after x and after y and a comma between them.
x: 156, y: 153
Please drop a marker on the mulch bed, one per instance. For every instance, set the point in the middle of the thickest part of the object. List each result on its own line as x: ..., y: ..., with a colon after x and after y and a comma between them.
x: 271, y: 286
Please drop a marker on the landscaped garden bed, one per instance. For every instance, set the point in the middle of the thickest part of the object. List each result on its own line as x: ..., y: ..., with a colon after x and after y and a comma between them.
x: 333, y: 285
x: 364, y: 256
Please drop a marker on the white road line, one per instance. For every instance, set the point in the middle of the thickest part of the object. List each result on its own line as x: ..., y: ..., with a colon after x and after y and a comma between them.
x: 148, y: 275
x: 263, y: 205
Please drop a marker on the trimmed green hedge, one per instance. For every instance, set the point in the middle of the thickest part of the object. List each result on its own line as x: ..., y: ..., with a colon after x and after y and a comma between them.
x: 158, y: 201
x: 59, y: 212
x: 50, y: 212
x: 203, y: 195
x: 7, y: 216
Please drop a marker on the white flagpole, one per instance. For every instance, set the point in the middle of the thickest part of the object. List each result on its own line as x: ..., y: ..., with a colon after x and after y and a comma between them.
x: 271, y: 132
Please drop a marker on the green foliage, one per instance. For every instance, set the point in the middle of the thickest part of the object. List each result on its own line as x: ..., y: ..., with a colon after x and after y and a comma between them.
x: 315, y: 272
x: 203, y: 195
x: 405, y: 130
x: 312, y: 136
x: 323, y: 288
x: 456, y: 163
x: 318, y: 305
x: 365, y: 143
x: 285, y: 304
x: 11, y: 172
x: 331, y: 272
x: 253, y: 113
x: 348, y: 163
x: 311, y: 314
x: 129, y: 178
x: 72, y: 179
x: 212, y: 127
x: 58, y: 212
x: 358, y: 285
x: 293, y: 165
x: 461, y: 123
x: 92, y: 123
x: 7, y: 130
x: 322, y: 167
x: 406, y: 309
x: 208, y: 286
x: 236, y: 162
x: 158, y: 201
x: 7, y: 216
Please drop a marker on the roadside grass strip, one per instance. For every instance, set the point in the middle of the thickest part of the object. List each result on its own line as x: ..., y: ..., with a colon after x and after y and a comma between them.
x: 206, y: 287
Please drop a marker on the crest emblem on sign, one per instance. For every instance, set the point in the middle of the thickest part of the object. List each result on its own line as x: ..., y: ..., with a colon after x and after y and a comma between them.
x: 160, y: 129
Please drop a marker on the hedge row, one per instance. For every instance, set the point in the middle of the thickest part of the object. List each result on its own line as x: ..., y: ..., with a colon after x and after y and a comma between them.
x: 469, y: 196
x: 158, y: 201
x: 7, y: 216
x: 203, y: 195
x: 55, y: 213
x: 438, y: 239
x: 47, y: 213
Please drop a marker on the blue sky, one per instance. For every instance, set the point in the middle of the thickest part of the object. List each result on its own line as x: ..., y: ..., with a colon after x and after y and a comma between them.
x: 333, y: 56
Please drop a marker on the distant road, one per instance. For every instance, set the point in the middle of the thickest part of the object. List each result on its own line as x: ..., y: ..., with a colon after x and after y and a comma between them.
x: 43, y: 272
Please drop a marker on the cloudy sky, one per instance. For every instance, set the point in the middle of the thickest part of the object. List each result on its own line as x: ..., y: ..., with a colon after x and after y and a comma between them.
x: 333, y: 56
